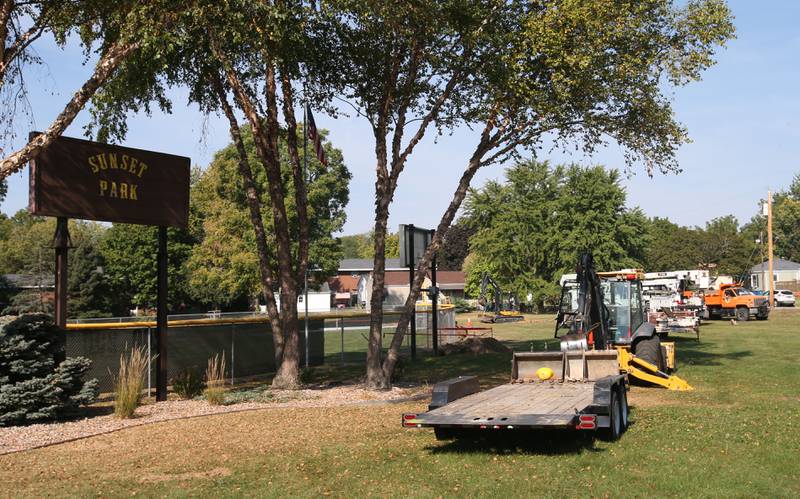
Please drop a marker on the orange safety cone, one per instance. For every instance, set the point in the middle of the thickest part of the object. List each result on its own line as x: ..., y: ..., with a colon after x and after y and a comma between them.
x: 469, y: 322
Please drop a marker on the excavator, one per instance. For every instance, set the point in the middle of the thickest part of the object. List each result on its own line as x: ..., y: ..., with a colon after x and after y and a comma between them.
x: 498, y: 311
x: 605, y: 311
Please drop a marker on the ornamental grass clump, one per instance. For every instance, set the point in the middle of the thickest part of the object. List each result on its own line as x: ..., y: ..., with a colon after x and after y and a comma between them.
x: 215, y: 380
x: 130, y: 382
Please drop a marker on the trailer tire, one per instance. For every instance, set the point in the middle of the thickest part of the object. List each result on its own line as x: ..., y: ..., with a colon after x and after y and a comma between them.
x: 623, y: 407
x: 614, y: 430
x: 649, y: 350
x: 444, y: 433
x: 742, y: 314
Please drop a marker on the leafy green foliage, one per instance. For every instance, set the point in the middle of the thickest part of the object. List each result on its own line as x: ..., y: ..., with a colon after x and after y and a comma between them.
x: 785, y: 224
x: 224, y: 265
x: 32, y: 386
x: 455, y: 246
x: 130, y: 252
x: 363, y: 245
x: 89, y: 291
x: 533, y: 228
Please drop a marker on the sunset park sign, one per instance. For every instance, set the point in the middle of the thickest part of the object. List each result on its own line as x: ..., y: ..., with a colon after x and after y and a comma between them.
x: 88, y: 180
x: 75, y: 178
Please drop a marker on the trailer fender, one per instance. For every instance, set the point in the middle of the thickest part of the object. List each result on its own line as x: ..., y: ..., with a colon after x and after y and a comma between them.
x: 453, y: 389
x: 645, y: 330
x: 601, y: 398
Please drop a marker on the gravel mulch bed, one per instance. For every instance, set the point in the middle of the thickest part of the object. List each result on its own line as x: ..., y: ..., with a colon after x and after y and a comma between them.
x: 20, y: 438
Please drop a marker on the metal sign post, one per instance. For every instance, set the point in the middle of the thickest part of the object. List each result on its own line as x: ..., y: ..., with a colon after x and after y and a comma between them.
x: 61, y: 243
x: 413, y: 243
x: 410, y: 258
x: 161, y: 317
x: 434, y: 294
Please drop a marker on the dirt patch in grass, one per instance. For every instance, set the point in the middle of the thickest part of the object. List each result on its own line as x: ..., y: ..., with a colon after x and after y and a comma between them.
x: 475, y: 345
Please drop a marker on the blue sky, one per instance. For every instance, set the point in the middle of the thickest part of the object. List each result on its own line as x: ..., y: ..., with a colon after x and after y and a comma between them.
x: 743, y: 119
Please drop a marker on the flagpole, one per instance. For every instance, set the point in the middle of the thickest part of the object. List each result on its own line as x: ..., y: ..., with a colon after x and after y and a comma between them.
x: 305, y: 178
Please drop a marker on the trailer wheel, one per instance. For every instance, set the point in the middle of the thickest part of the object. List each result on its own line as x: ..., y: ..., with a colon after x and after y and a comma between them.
x: 444, y: 433
x: 623, y: 407
x: 614, y: 429
x: 649, y: 350
x: 742, y: 314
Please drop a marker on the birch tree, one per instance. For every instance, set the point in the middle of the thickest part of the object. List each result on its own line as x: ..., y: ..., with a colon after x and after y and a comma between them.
x: 576, y: 74
x: 114, y: 30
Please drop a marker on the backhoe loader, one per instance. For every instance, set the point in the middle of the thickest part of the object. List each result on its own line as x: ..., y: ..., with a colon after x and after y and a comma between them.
x: 605, y: 311
x: 495, y: 308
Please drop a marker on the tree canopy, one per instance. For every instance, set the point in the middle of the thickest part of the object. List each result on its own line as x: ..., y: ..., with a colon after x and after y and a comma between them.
x: 224, y: 265
x: 533, y: 228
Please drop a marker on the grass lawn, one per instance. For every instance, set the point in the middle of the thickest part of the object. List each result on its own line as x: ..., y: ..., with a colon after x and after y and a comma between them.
x: 736, y: 435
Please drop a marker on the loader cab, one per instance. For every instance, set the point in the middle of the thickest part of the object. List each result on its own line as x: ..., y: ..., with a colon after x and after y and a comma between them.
x: 623, y: 299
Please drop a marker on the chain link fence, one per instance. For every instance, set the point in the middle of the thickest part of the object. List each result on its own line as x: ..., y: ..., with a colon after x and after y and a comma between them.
x: 247, y: 347
x: 245, y: 339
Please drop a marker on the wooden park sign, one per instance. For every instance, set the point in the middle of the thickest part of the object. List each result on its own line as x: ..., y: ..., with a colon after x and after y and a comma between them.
x: 74, y: 178
x: 88, y: 180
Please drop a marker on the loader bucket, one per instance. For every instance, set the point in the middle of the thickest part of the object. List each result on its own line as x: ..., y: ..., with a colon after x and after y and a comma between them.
x: 574, y: 365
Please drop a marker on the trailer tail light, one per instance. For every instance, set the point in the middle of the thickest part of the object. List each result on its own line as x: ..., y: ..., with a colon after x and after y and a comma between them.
x: 587, y: 422
x: 631, y: 277
x: 410, y: 421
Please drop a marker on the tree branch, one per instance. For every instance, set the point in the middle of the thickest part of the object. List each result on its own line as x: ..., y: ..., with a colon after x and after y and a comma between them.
x: 103, y: 70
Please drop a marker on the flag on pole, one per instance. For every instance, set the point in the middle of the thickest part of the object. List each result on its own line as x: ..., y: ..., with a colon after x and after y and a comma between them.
x: 313, y: 134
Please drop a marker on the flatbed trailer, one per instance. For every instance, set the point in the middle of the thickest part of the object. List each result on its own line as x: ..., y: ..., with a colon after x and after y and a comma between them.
x: 586, y: 393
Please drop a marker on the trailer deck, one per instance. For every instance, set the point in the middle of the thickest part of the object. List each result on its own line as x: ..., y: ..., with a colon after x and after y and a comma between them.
x: 535, y: 404
x: 560, y: 390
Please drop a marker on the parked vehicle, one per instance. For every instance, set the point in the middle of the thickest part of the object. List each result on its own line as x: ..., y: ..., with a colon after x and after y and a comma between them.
x: 784, y: 298
x: 734, y: 301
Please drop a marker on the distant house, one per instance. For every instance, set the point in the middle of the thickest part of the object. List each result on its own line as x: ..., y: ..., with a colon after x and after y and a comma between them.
x: 396, y: 286
x: 785, y: 273
x: 21, y: 282
x: 345, y: 290
x: 319, y: 300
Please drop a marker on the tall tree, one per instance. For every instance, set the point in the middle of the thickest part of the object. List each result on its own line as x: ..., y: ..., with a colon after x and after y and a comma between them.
x: 672, y: 247
x: 131, y: 266
x: 89, y: 292
x: 725, y: 248
x: 534, y: 227
x: 578, y: 72
x: 224, y: 265
x: 455, y: 246
x: 248, y: 59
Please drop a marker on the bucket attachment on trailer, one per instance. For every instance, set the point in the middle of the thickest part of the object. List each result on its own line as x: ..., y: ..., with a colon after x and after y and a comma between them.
x: 645, y: 371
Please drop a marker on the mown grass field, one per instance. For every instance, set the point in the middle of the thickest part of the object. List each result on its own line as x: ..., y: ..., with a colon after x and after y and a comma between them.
x: 736, y: 435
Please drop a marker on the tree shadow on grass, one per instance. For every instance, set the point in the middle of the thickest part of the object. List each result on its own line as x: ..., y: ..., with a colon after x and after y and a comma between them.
x: 691, y: 352
x: 541, y: 442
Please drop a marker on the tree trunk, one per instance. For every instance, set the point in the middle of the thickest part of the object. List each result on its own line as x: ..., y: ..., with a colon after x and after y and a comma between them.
x: 288, y: 375
x: 102, y: 71
x: 375, y: 375
x: 254, y: 206
x: 409, y: 307
x: 376, y: 380
x: 265, y: 136
x: 298, y: 174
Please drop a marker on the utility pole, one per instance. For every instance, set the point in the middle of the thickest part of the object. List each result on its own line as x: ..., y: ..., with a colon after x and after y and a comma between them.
x: 769, y: 250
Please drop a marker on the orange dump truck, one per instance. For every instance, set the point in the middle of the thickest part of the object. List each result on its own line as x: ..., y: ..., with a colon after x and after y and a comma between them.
x: 732, y: 300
